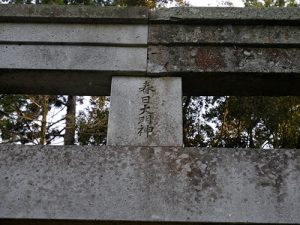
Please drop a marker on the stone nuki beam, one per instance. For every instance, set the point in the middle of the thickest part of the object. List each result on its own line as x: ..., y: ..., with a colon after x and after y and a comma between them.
x: 149, y: 184
x: 217, y: 51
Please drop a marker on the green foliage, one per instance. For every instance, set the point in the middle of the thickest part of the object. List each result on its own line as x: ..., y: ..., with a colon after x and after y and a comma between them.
x: 21, y: 118
x: 256, y: 122
x: 123, y: 3
x: 147, y: 3
x: 92, y: 123
x: 242, y: 122
x: 11, y: 128
x: 196, y: 131
x: 270, y: 3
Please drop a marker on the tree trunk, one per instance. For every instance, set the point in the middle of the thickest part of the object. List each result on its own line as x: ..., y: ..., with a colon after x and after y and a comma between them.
x: 224, y: 126
x: 251, y: 141
x: 69, y: 137
x: 45, y: 109
x: 186, y: 102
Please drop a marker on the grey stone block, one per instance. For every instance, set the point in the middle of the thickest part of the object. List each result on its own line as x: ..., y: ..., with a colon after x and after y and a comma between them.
x: 225, y: 34
x: 91, y: 34
x: 233, y: 15
x: 145, y: 111
x: 188, y: 59
x: 150, y: 184
x: 63, y: 57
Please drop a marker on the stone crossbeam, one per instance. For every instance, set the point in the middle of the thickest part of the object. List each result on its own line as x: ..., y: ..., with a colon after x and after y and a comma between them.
x: 149, y: 184
x: 216, y: 51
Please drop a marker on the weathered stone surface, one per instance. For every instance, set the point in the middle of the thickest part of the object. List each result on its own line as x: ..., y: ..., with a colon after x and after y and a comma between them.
x: 91, y: 34
x: 145, y: 111
x: 231, y: 15
x: 180, y: 59
x: 89, y: 14
x: 216, y: 51
x: 63, y: 57
x: 150, y: 184
x: 174, y: 34
x: 72, y: 14
x: 96, y: 222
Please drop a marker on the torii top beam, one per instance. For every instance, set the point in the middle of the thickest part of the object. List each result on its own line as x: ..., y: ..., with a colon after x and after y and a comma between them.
x: 217, y: 51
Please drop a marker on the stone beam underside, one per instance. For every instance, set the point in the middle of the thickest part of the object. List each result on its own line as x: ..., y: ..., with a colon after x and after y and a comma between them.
x: 216, y: 51
x: 149, y: 184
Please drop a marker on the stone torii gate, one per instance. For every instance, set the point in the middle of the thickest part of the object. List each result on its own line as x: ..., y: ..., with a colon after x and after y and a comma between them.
x: 145, y: 60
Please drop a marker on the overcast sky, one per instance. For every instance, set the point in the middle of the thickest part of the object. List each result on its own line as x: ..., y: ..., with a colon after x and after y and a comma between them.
x: 236, y: 3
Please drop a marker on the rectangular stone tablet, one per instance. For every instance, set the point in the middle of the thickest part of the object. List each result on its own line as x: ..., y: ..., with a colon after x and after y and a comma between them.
x: 145, y: 111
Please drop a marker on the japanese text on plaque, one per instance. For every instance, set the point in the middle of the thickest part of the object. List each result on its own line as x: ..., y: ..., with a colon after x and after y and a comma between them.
x: 145, y: 125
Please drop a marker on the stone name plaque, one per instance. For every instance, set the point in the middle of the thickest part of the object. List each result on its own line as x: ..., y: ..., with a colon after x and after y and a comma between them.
x: 145, y: 112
